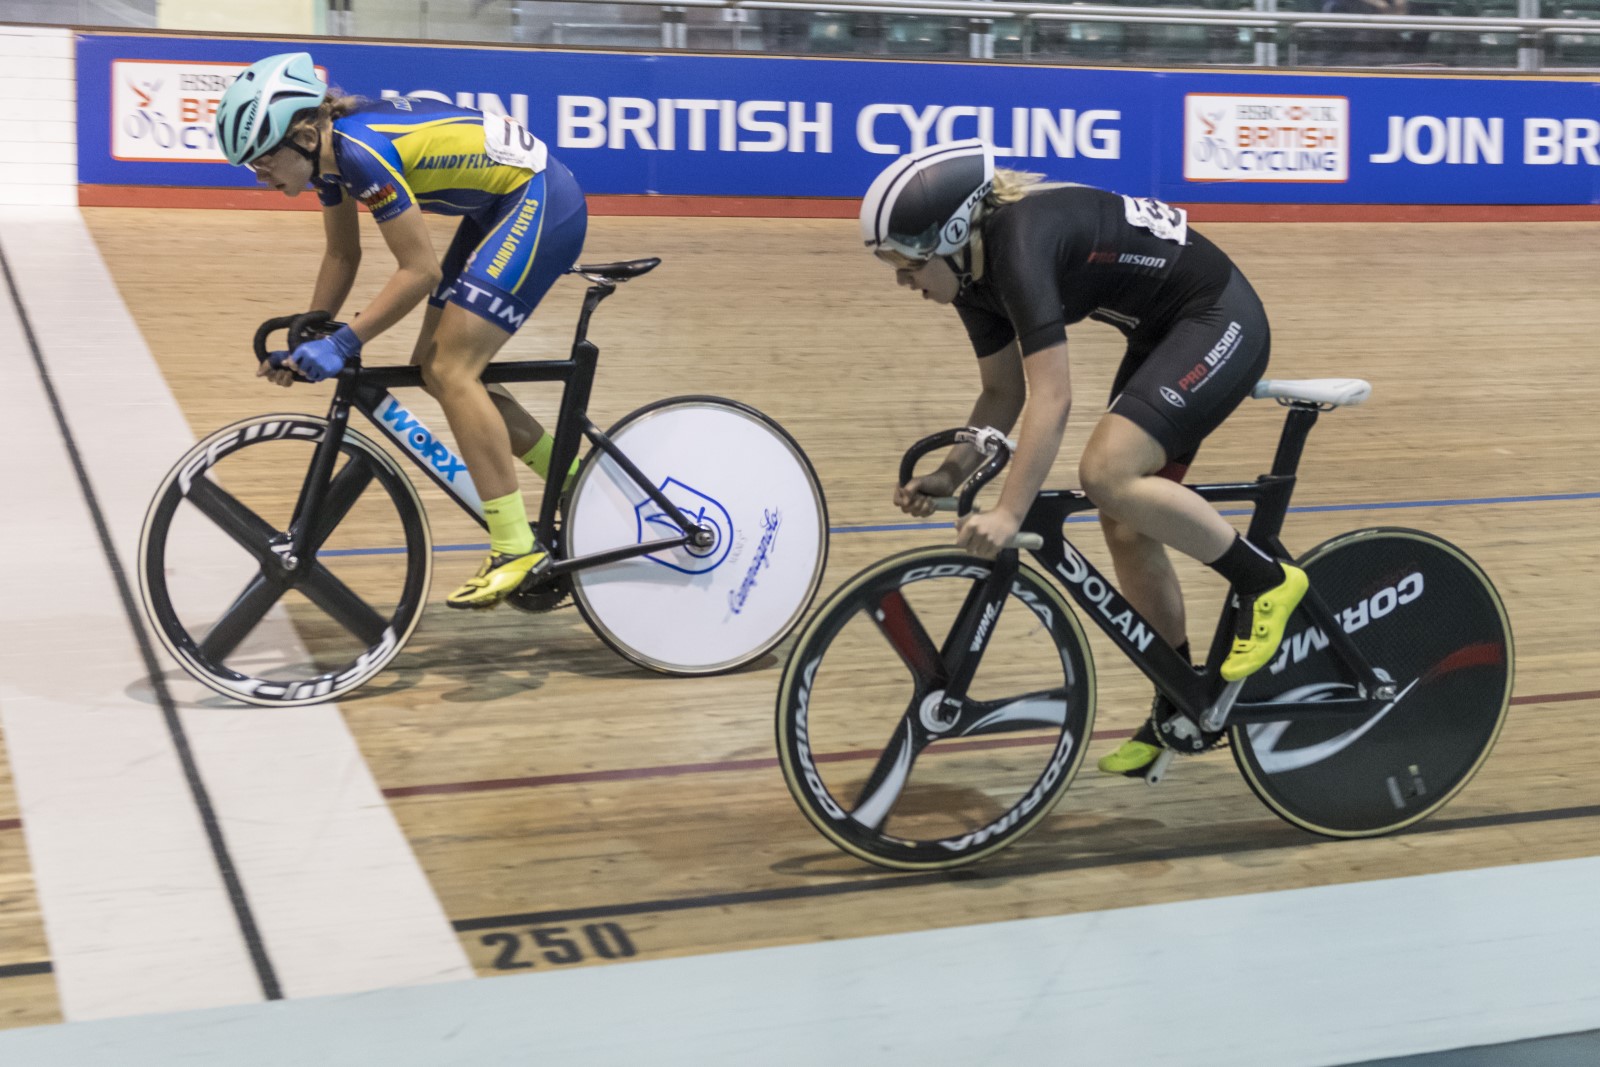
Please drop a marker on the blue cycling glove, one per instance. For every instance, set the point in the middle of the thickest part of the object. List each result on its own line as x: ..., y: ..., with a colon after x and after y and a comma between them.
x: 326, y: 356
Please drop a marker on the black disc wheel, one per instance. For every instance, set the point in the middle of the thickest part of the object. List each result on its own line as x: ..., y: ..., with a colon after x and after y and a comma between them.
x: 874, y: 753
x: 1426, y: 616
x: 232, y: 602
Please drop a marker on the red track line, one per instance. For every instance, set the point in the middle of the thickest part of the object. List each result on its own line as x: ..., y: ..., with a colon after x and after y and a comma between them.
x: 1556, y: 698
x: 678, y: 770
x: 257, y: 198
x: 10, y: 824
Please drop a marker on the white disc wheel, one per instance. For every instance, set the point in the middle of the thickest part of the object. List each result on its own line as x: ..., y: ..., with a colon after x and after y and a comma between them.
x: 690, y: 610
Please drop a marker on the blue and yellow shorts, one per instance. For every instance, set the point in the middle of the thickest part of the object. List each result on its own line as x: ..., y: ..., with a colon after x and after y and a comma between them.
x: 502, y: 274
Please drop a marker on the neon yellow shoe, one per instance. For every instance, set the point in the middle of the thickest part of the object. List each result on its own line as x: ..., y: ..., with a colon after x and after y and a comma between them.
x: 1133, y: 755
x: 499, y: 576
x: 1253, y: 648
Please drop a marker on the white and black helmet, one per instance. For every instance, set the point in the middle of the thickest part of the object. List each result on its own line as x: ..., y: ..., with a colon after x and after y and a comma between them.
x: 921, y: 205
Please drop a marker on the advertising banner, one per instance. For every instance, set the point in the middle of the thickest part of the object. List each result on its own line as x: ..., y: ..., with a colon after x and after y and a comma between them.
x: 794, y: 127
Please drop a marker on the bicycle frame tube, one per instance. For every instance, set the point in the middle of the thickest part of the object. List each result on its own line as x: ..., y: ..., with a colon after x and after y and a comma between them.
x: 572, y: 421
x: 1191, y: 692
x: 426, y: 450
x: 1100, y: 602
x: 1204, y: 697
x: 368, y: 389
x: 314, y: 489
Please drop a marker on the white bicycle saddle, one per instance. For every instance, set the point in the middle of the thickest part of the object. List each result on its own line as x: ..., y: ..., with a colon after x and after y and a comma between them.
x: 1338, y: 392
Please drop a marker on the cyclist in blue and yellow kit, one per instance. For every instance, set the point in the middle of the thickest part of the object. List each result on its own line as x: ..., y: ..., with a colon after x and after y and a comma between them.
x: 523, y: 220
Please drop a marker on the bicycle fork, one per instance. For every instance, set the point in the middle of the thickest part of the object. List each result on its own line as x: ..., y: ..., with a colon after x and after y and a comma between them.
x: 947, y: 678
x: 969, y: 638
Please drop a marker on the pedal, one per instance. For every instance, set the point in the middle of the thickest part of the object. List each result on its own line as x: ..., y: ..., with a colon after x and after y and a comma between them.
x: 1158, y: 769
x: 538, y: 594
x: 1180, y: 734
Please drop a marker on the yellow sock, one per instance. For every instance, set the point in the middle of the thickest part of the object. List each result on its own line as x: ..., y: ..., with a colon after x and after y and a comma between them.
x: 538, y: 459
x: 509, y: 534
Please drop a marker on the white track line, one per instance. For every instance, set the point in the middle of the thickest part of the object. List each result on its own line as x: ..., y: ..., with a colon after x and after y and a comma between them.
x: 1300, y: 978
x: 339, y: 897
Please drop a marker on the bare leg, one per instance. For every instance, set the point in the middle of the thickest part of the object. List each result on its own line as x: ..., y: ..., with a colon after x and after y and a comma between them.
x: 461, y: 347
x: 522, y: 429
x: 1140, y: 512
x: 1118, y: 472
x: 1145, y: 576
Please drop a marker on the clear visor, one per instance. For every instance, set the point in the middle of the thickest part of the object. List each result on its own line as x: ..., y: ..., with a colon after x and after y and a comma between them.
x: 268, y: 158
x: 899, y: 260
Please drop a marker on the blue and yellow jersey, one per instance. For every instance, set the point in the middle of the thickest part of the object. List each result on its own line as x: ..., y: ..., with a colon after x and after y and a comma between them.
x: 397, y: 152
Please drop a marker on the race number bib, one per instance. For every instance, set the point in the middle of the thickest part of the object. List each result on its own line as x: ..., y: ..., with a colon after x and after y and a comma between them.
x: 506, y: 142
x: 1165, y: 221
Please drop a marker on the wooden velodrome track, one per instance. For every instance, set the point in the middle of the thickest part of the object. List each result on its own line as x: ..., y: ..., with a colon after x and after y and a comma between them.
x: 544, y: 782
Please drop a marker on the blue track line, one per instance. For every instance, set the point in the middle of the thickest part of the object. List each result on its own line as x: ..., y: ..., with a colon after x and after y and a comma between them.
x: 901, y: 527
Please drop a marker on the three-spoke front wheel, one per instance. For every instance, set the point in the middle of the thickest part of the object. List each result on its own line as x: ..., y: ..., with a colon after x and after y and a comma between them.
x: 882, y: 763
x: 231, y: 600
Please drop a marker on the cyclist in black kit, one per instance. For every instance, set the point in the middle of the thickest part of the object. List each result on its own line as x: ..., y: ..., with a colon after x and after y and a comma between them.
x: 1020, y: 261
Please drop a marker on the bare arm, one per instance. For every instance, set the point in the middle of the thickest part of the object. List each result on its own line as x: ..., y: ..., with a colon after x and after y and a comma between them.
x: 340, y: 258
x: 1005, y: 390
x: 1044, y: 420
x: 416, y: 275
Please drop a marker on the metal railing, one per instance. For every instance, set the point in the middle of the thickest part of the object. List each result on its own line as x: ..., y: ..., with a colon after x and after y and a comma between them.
x: 1274, y: 37
x: 1261, y: 33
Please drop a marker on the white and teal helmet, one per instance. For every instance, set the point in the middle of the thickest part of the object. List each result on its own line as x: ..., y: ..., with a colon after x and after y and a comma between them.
x: 254, y: 115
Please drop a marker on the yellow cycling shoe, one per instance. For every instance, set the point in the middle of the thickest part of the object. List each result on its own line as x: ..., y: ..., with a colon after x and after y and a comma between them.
x: 499, y: 576
x: 1133, y: 755
x: 1131, y: 758
x: 1269, y: 616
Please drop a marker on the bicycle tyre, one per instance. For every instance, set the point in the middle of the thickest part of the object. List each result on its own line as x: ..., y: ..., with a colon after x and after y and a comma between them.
x: 1419, y: 608
x: 189, y: 649
x: 699, y: 612
x: 877, y: 593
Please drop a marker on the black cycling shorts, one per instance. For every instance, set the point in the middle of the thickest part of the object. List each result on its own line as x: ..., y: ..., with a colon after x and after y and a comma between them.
x: 1180, y: 386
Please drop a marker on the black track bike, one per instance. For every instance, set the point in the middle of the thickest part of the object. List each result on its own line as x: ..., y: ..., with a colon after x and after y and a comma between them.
x: 938, y: 705
x: 286, y: 559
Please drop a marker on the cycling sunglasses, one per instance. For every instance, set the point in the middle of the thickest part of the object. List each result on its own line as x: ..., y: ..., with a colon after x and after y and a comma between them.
x: 899, y: 260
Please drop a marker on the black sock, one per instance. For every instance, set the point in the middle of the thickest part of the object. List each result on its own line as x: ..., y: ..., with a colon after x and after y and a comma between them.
x: 1248, y: 569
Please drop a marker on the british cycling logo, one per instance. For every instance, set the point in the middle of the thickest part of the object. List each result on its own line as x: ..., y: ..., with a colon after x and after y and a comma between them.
x: 700, y: 509
x: 164, y: 111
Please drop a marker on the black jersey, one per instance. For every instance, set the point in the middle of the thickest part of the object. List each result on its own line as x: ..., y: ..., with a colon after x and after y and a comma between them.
x: 1059, y: 256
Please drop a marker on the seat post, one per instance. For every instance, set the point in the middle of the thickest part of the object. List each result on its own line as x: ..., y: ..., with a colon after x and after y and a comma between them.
x: 1292, y: 442
x: 591, y: 300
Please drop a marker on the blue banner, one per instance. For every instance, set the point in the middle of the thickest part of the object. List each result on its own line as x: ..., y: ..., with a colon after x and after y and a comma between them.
x: 789, y: 127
